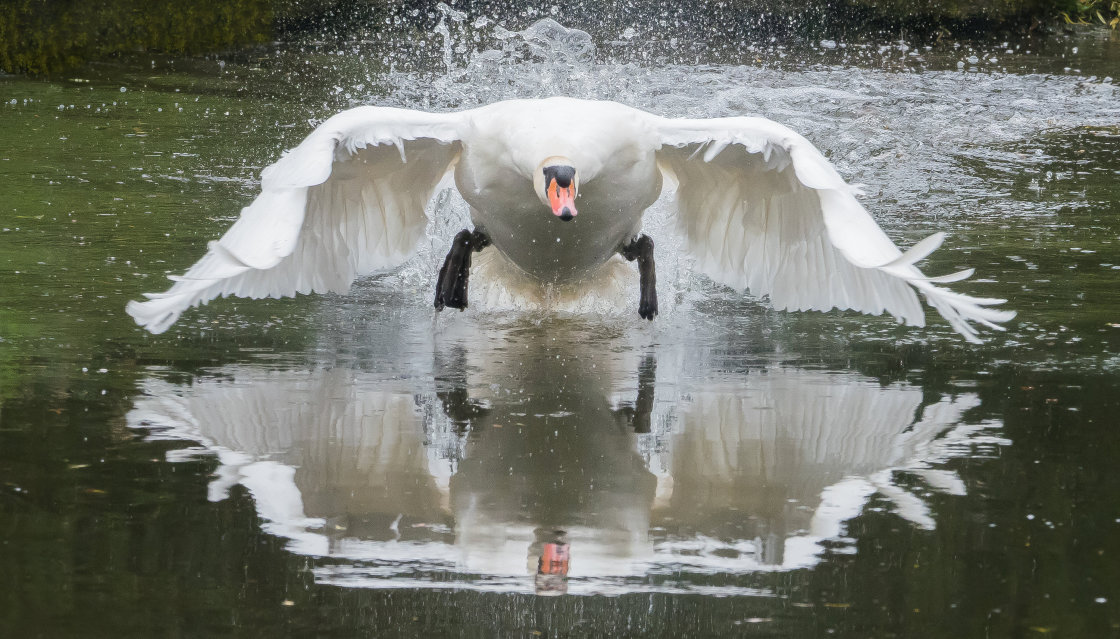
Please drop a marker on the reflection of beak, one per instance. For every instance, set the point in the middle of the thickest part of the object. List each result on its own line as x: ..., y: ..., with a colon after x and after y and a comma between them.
x: 554, y: 560
x: 562, y: 200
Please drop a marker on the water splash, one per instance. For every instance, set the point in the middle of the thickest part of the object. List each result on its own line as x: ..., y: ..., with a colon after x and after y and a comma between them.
x: 914, y: 138
x: 548, y: 40
x: 543, y: 59
x: 938, y: 147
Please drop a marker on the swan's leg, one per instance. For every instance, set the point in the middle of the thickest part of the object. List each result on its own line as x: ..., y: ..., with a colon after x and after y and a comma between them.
x: 641, y: 249
x: 452, y: 267
x: 451, y: 389
x: 451, y: 286
x: 637, y: 414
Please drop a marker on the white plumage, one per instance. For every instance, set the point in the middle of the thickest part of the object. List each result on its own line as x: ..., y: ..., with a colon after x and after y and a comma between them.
x: 759, y: 207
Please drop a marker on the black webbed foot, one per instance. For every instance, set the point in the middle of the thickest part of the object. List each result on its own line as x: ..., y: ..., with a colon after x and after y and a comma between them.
x: 641, y: 249
x: 451, y: 285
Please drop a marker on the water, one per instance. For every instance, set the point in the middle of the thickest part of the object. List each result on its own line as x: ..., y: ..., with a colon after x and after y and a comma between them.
x: 350, y: 464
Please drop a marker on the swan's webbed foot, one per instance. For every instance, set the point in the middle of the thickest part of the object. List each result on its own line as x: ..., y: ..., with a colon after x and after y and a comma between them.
x: 451, y: 286
x: 641, y: 249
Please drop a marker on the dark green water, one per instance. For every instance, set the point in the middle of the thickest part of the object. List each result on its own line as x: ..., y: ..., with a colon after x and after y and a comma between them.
x: 350, y: 466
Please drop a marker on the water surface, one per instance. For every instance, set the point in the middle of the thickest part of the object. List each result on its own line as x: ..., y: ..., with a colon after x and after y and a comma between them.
x: 354, y: 464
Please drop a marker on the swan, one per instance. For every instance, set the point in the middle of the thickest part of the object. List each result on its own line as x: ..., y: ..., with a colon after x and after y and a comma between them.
x: 558, y: 186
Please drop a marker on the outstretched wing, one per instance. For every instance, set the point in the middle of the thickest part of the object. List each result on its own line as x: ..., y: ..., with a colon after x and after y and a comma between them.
x: 347, y: 201
x: 762, y: 209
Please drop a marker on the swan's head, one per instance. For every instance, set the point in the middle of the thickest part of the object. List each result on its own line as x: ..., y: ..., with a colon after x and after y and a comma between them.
x: 557, y: 184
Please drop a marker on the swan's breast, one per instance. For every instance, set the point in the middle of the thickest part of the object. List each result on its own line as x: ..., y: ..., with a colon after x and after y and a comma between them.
x: 618, y: 179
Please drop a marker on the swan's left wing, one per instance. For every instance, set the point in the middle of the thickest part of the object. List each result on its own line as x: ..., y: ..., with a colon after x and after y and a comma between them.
x: 347, y: 201
x: 762, y: 209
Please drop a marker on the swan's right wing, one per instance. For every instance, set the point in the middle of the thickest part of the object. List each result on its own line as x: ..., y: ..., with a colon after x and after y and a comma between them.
x: 347, y: 201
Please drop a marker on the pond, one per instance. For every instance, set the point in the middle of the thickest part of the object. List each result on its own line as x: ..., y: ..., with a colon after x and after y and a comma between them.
x: 354, y: 464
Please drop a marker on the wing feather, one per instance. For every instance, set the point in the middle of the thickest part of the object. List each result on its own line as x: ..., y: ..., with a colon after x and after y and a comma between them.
x: 347, y: 201
x: 762, y: 209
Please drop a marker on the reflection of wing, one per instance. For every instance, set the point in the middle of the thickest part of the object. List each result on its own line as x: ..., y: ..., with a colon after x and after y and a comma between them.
x: 801, y: 451
x: 348, y: 200
x: 762, y: 209
x: 355, y: 450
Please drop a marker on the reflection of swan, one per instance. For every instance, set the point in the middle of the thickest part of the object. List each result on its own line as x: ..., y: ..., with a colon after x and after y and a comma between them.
x: 514, y: 477
x: 760, y: 208
x: 562, y: 461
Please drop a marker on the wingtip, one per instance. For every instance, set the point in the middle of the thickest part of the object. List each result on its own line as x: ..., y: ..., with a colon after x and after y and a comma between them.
x: 960, y: 310
x: 154, y: 320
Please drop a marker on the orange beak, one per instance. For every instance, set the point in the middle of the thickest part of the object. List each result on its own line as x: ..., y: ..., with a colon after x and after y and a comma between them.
x: 562, y: 200
x: 554, y: 560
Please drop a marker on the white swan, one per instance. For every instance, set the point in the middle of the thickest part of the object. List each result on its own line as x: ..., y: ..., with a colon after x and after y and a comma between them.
x: 559, y: 186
